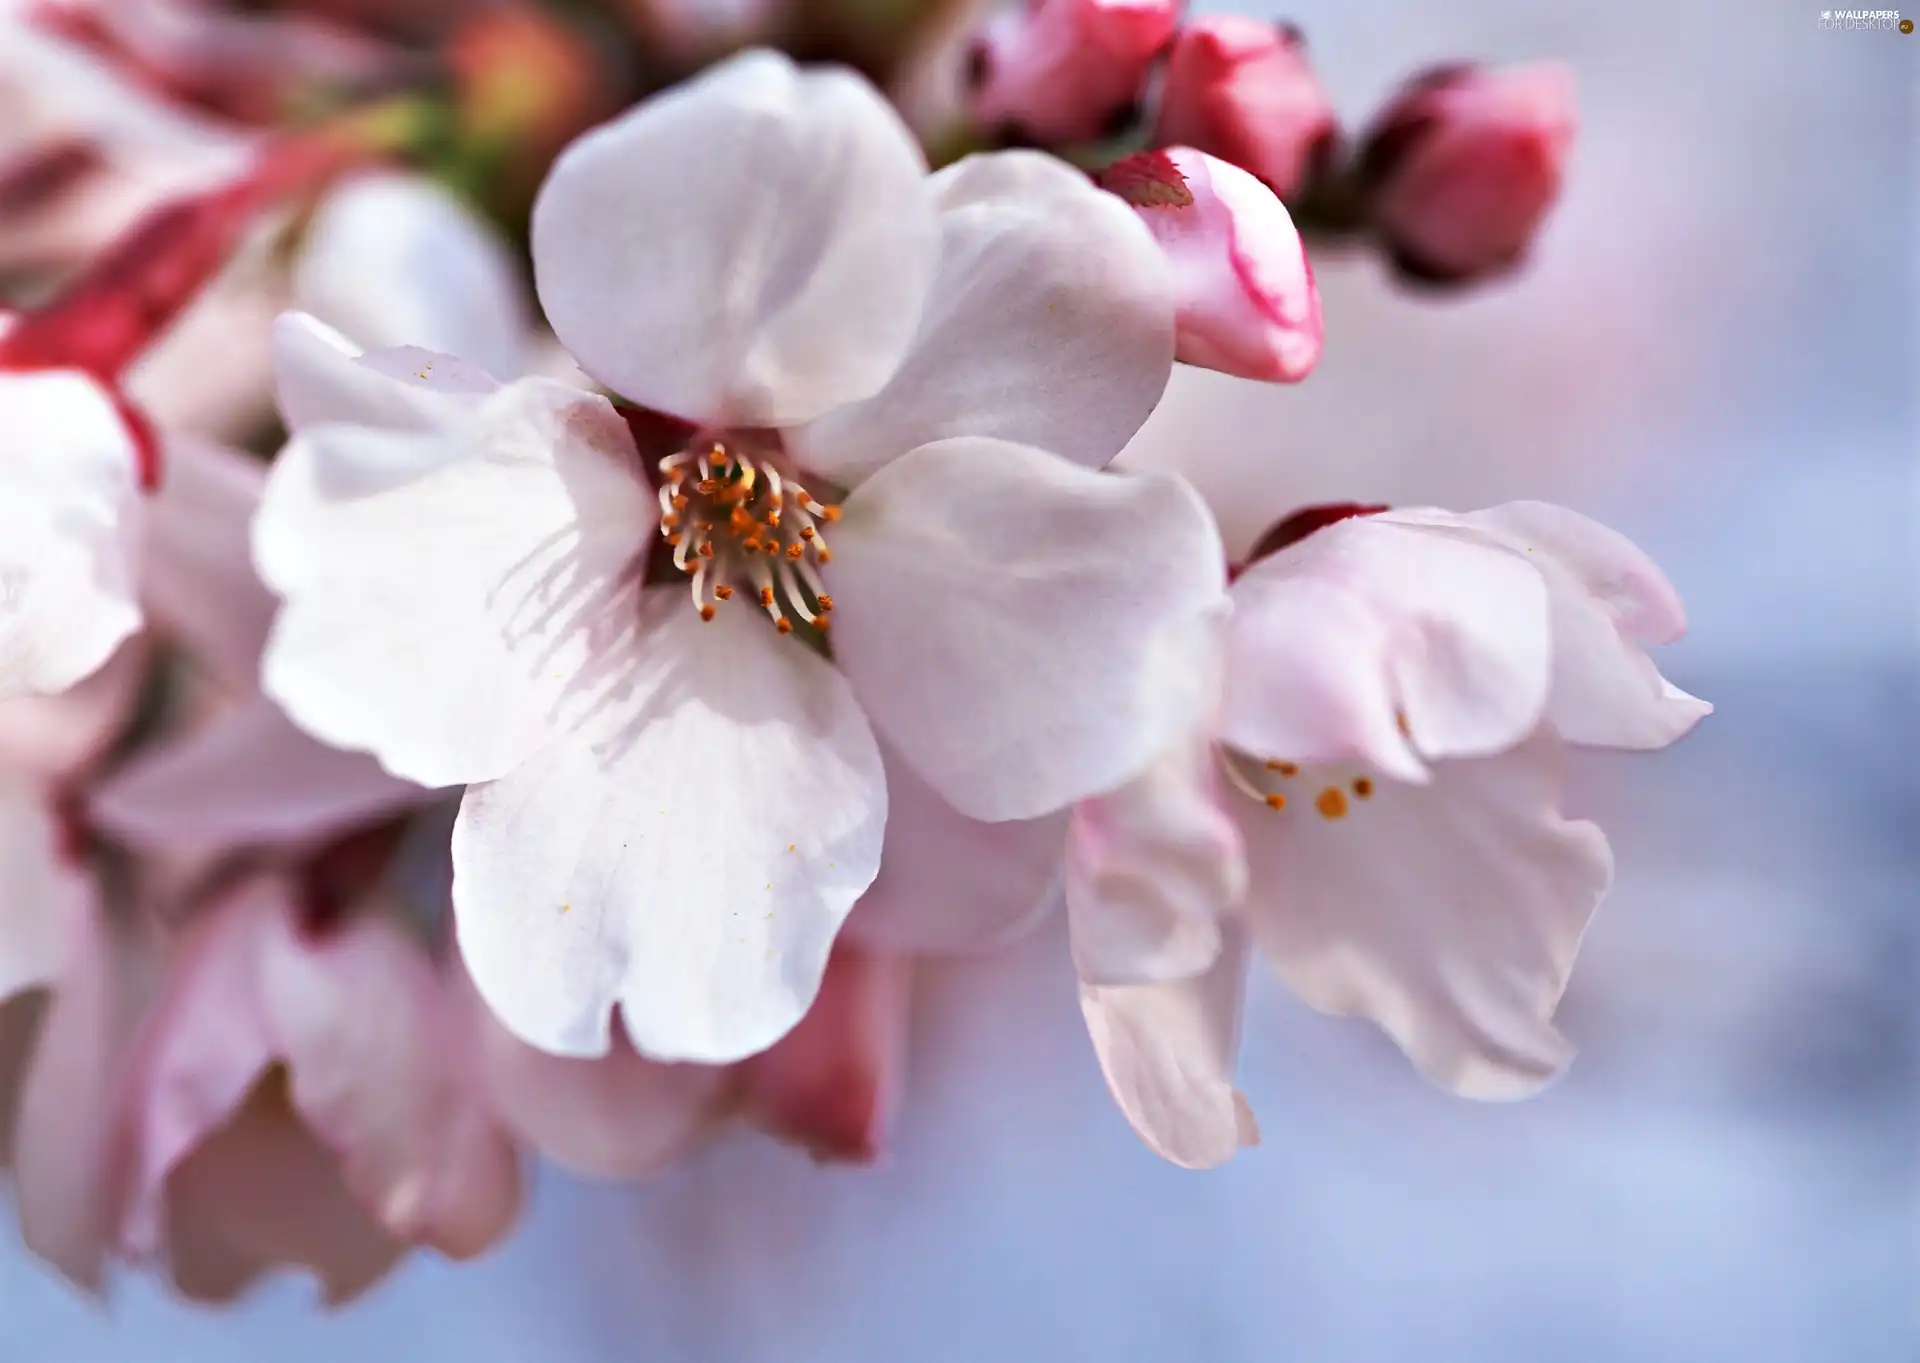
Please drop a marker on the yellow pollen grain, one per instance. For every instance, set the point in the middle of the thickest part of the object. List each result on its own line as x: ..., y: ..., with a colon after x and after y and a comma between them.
x: 1362, y: 787
x: 566, y: 908
x: 1332, y: 803
x: 1276, y: 802
x: 790, y: 846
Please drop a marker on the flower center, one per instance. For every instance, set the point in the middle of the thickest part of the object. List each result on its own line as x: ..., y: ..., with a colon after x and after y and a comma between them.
x: 1283, y: 786
x: 736, y: 521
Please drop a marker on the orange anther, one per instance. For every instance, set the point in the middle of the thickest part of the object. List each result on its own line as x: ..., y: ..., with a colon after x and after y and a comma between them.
x: 784, y: 625
x: 1362, y: 787
x: 1276, y: 802
x: 707, y: 611
x: 1332, y: 803
x: 724, y: 592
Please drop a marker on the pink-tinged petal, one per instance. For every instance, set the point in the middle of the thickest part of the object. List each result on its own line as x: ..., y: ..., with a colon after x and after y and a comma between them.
x: 948, y: 883
x: 1169, y: 1051
x: 1241, y: 89
x: 614, y: 1116
x: 441, y: 622
x: 1247, y: 302
x: 691, y: 854
x: 323, y: 378
x: 55, y: 737
x: 245, y: 777
x: 1154, y: 868
x: 258, y: 1193
x: 68, y: 513
x: 1609, y: 600
x: 71, y: 1150
x: 39, y: 891
x: 1386, y: 642
x: 1461, y: 167
x: 396, y: 260
x: 1016, y: 625
x: 833, y: 1083
x: 383, y: 1067
x: 199, y: 581
x: 1450, y: 913
x: 751, y: 248
x: 21, y: 1016
x: 1050, y: 324
x: 1057, y: 71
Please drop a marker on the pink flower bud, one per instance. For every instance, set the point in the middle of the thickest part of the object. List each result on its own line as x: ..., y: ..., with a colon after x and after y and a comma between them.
x: 1065, y: 70
x: 1463, y: 164
x: 1240, y: 89
x: 1247, y: 301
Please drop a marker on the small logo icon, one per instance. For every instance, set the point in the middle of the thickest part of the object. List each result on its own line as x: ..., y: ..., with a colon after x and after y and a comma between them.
x: 1906, y: 25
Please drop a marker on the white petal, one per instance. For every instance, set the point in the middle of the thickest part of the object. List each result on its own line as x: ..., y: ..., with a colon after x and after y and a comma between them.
x: 39, y: 892
x: 246, y: 777
x: 199, y: 579
x: 1369, y: 634
x: 1168, y: 1051
x: 1609, y: 600
x: 750, y: 248
x: 1020, y: 627
x: 439, y: 622
x: 948, y: 883
x: 396, y: 260
x: 322, y: 377
x: 1450, y: 913
x: 691, y: 855
x: 68, y: 507
x: 1154, y: 868
x: 1050, y: 324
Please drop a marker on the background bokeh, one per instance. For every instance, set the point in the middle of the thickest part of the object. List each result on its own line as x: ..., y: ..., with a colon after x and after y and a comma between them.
x: 1715, y: 348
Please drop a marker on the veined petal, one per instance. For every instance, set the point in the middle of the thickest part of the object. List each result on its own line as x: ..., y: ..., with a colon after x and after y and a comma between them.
x: 246, y: 777
x: 949, y: 883
x: 1386, y: 642
x: 199, y: 579
x: 1017, y: 626
x: 1449, y: 913
x: 690, y: 855
x: 323, y: 378
x: 751, y: 248
x: 443, y: 622
x: 68, y: 519
x: 1050, y: 324
x: 1169, y: 1051
x: 397, y: 260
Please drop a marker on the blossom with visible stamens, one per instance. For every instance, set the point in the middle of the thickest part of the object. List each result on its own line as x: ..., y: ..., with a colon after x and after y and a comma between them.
x: 1398, y: 689
x: 885, y: 402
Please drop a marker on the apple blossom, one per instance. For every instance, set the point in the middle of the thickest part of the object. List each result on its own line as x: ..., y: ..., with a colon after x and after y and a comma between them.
x: 675, y: 795
x: 1247, y: 302
x: 1241, y: 89
x: 1059, y: 71
x: 1460, y: 168
x: 1398, y: 689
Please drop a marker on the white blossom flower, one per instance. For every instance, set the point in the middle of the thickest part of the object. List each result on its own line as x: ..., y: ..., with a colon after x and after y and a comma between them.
x: 1399, y: 688
x: 893, y: 396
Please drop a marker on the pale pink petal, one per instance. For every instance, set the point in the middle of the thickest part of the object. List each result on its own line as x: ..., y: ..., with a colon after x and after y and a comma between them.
x: 384, y: 1068
x: 691, y: 855
x: 1154, y: 867
x: 322, y: 378
x: 68, y: 514
x: 1169, y: 1051
x: 442, y: 622
x: 1389, y: 643
x: 1449, y: 913
x: 1050, y: 324
x: 397, y: 260
x: 750, y: 248
x: 833, y: 1083
x: 199, y: 581
x: 40, y: 892
x: 1009, y: 619
x: 948, y: 883
x: 1055, y: 71
x: 56, y: 737
x: 245, y: 777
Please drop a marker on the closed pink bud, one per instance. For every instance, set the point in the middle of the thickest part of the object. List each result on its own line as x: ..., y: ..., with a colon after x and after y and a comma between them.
x: 1247, y: 301
x: 1240, y: 89
x: 1463, y: 164
x: 1065, y: 70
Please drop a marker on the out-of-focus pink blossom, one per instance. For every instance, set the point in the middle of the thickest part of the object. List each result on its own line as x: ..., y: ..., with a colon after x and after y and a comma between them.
x: 1242, y: 90
x: 1060, y: 71
x: 1398, y: 689
x: 1461, y: 167
x: 1248, y: 305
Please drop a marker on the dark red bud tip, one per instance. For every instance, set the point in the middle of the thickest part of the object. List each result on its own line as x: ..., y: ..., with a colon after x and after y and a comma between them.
x: 1295, y: 527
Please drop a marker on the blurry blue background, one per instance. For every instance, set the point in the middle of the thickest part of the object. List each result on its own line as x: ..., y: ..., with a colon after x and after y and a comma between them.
x: 1716, y: 350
